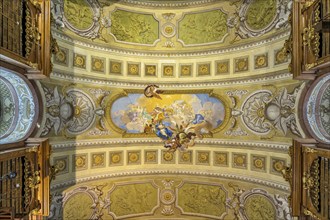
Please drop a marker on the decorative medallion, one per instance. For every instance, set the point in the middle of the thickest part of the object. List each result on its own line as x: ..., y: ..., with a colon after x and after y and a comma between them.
x: 277, y: 165
x: 150, y: 70
x: 72, y: 113
x: 257, y: 204
x: 61, y: 163
x: 260, y: 61
x: 79, y: 60
x: 260, y: 14
x: 204, y: 69
x: 264, y: 111
x: 241, y: 64
x: 150, y: 157
x: 79, y: 16
x: 115, y: 67
x: 168, y: 70
x: 62, y: 56
x: 203, y: 157
x: 222, y: 67
x: 167, y: 196
x: 133, y: 69
x: 185, y: 157
x: 79, y: 162
x: 220, y: 158
x: 98, y: 64
x: 98, y: 160
x: 116, y: 158
x: 186, y: 69
x: 168, y: 30
x: 240, y: 160
x: 168, y: 157
x: 280, y: 57
x: 133, y: 157
x: 258, y: 163
x: 260, y: 17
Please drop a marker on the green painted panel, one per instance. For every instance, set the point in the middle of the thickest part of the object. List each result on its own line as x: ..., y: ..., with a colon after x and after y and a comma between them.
x: 133, y: 199
x: 78, y: 13
x: 78, y: 206
x: 260, y: 13
x: 203, y: 27
x: 134, y: 27
x: 202, y: 199
x: 259, y: 207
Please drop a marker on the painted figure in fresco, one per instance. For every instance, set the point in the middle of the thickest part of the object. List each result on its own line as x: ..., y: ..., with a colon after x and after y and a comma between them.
x: 152, y: 91
x: 163, y: 132
x: 177, y: 120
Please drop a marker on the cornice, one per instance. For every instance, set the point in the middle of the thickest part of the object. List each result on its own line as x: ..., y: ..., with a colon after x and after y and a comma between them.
x: 164, y: 54
x: 239, y: 81
x: 276, y: 185
x: 153, y: 4
x: 238, y: 144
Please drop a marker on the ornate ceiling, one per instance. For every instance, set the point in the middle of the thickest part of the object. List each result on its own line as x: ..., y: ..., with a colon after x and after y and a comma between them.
x: 222, y: 75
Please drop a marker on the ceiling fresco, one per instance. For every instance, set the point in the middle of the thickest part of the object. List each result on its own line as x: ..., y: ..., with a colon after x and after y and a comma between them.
x: 265, y: 112
x: 219, y: 24
x: 170, y: 197
x: 170, y: 109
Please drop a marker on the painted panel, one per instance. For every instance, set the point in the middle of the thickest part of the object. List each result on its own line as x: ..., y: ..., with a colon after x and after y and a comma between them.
x: 136, y: 113
x: 204, y: 27
x: 134, y: 27
x: 78, y: 13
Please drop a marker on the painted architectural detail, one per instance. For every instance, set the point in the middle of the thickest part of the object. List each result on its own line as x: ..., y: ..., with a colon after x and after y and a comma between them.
x: 317, y: 109
x: 129, y: 200
x: 203, y: 27
x: 171, y: 196
x: 255, y: 18
x: 259, y: 204
x: 134, y: 27
x: 17, y: 107
x: 79, y: 16
x: 202, y: 200
x: 71, y: 112
x: 265, y: 111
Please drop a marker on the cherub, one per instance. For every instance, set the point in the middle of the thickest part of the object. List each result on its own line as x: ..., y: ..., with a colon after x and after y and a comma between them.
x: 152, y: 91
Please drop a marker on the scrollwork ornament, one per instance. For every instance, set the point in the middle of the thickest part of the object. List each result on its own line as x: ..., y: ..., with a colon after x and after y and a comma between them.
x: 309, y: 213
x: 61, y: 21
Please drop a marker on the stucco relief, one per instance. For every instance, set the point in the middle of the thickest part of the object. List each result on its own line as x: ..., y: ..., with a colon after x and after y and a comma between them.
x: 174, y: 196
x: 70, y: 112
x: 266, y: 111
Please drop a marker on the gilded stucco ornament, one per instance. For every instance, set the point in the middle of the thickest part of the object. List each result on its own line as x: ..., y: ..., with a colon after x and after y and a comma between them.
x: 234, y: 129
x: 265, y: 111
x: 255, y: 18
x: 70, y: 111
x: 259, y: 204
x: 79, y: 16
x: 84, y: 202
